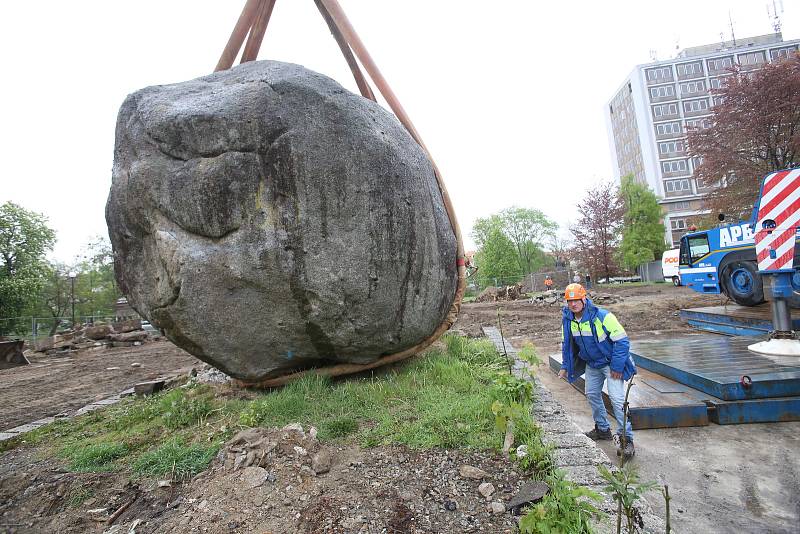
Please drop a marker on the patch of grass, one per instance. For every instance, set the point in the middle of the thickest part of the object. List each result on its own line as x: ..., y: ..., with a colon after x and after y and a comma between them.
x: 338, y: 428
x: 439, y: 400
x: 182, y: 408
x: 77, y: 496
x: 175, y: 457
x: 94, y: 458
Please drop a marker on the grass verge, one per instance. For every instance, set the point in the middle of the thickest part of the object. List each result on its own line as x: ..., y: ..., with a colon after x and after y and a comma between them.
x: 459, y: 395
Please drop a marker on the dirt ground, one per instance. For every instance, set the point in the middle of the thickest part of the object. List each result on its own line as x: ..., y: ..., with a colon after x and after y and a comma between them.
x: 380, y: 490
x: 52, y: 385
x: 642, y: 309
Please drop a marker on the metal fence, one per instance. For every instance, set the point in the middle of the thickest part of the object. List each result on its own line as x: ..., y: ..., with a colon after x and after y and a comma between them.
x: 650, y: 272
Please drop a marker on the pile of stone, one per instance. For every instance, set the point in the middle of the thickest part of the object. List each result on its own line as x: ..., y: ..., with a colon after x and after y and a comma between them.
x: 258, y: 451
x: 547, y: 298
x: 495, y: 294
x: 605, y: 298
x: 555, y: 298
x: 119, y: 334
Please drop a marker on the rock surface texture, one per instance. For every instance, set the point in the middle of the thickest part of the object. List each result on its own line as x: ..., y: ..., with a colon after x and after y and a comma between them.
x: 269, y: 220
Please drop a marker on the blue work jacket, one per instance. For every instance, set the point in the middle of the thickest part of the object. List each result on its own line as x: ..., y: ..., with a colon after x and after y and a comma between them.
x: 597, y: 340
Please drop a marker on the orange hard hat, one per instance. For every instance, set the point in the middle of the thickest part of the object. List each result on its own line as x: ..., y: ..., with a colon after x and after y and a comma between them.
x: 574, y: 292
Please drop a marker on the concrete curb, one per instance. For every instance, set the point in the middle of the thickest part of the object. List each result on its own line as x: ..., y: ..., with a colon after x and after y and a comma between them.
x: 580, y: 457
x: 573, y: 452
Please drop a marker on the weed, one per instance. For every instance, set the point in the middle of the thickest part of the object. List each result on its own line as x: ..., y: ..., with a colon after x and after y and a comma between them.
x: 94, y: 458
x: 514, y: 388
x: 176, y: 457
x: 626, y: 489
x: 566, y: 508
x: 77, y: 496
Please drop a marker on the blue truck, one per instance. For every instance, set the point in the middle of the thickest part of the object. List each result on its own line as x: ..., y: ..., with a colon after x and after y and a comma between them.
x: 723, y: 260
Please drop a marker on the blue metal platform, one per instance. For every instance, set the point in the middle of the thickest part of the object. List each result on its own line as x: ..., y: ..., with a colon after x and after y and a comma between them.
x: 696, y: 379
x: 654, y: 402
x: 735, y: 320
x: 716, y: 366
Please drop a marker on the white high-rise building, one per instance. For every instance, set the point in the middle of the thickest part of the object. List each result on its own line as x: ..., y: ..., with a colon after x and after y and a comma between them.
x: 648, y: 117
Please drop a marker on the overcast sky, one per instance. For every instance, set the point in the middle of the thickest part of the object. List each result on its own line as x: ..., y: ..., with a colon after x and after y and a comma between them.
x: 508, y: 95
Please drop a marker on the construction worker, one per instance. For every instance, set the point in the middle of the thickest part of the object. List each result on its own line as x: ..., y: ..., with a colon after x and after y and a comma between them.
x: 596, y: 345
x: 548, y: 283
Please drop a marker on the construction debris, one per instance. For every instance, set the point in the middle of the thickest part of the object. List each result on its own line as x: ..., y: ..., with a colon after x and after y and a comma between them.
x: 269, y: 221
x: 120, y: 334
x: 495, y: 294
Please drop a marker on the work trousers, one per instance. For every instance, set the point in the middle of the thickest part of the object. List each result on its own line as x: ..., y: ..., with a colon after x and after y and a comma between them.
x: 616, y: 393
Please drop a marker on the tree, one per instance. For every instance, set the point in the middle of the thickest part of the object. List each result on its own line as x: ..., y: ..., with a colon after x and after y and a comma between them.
x: 754, y: 130
x: 643, y: 231
x: 526, y: 228
x: 597, y: 232
x: 24, y: 240
x: 496, y: 258
x: 95, y: 291
x: 54, y: 297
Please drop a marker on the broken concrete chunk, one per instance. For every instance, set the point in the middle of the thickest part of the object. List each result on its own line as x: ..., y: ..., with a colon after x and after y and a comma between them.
x: 98, y: 332
x: 136, y: 335
x: 268, y: 220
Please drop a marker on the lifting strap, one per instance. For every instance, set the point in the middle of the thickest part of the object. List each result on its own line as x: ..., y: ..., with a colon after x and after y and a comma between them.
x: 252, y: 24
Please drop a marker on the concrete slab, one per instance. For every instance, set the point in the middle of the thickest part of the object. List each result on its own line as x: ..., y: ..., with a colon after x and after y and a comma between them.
x: 722, y: 479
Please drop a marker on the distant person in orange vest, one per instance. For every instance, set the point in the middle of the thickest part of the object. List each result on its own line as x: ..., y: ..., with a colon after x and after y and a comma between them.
x: 548, y: 283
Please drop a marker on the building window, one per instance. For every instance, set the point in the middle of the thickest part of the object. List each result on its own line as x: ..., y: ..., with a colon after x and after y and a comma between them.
x: 677, y: 186
x: 674, y: 166
x: 668, y: 128
x: 665, y: 109
x: 753, y: 58
x: 689, y: 88
x: 696, y: 161
x: 720, y: 63
x: 689, y: 69
x: 659, y: 74
x: 718, y: 83
x: 662, y: 91
x: 670, y: 146
x: 695, y: 124
x: 782, y: 53
x: 678, y: 224
x: 717, y: 100
x: 680, y: 206
x: 695, y: 105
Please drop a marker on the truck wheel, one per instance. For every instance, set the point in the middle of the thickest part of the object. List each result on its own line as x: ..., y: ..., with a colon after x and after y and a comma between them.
x: 742, y: 283
x: 676, y: 281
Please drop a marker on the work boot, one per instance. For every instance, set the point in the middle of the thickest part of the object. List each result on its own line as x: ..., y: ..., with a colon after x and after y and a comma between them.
x: 629, y: 449
x: 596, y: 434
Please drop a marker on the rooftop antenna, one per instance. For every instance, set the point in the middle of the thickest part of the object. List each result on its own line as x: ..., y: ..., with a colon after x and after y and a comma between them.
x: 733, y: 35
x: 774, y: 15
x: 653, y: 54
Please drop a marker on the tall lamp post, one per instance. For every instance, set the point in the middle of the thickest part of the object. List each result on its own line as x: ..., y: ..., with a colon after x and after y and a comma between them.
x: 72, y: 275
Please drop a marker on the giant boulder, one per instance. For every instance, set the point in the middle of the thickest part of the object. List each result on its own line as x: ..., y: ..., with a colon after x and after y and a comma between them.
x: 269, y: 220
